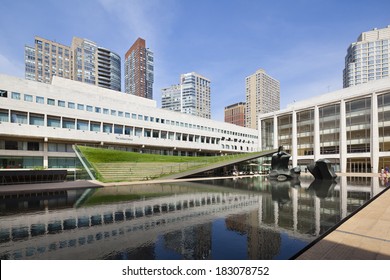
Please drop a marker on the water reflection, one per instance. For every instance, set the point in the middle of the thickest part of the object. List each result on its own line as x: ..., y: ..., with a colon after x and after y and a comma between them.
x: 247, y: 218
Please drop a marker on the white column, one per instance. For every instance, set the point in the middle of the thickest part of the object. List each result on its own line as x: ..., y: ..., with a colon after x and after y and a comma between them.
x: 374, y: 142
x: 45, y: 153
x: 259, y: 134
x: 343, y: 138
x: 317, y: 154
x: 276, y: 144
x: 294, y: 150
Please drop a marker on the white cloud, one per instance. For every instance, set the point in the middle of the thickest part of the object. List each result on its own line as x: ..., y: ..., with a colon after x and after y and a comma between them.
x: 11, y: 68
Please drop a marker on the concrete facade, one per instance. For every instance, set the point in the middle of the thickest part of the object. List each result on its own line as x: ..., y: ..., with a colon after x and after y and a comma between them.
x: 350, y: 127
x: 40, y: 122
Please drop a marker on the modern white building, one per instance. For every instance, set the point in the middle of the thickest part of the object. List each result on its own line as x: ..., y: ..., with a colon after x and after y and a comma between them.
x: 40, y: 122
x: 191, y: 96
x: 262, y: 96
x: 367, y: 59
x: 350, y: 127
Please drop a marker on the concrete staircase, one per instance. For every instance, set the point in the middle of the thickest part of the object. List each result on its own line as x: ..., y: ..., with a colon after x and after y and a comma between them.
x: 140, y: 171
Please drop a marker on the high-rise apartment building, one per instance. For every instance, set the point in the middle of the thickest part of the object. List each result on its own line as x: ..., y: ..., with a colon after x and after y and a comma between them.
x: 367, y: 59
x: 191, y: 96
x: 46, y: 59
x: 262, y: 96
x: 171, y: 98
x: 235, y: 114
x: 139, y: 69
x: 83, y: 61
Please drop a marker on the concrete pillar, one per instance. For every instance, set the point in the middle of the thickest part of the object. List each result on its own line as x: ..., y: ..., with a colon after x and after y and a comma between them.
x: 374, y: 141
x: 45, y: 153
x: 294, y: 150
x: 317, y: 151
x: 276, y: 143
x: 343, y: 138
x: 259, y: 133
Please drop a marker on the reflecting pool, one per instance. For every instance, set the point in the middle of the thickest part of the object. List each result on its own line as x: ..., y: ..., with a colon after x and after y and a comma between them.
x: 244, y: 218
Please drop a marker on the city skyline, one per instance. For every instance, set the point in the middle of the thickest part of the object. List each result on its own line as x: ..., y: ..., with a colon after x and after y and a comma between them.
x: 302, y: 44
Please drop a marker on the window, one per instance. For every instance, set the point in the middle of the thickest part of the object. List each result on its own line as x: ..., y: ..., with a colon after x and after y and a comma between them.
x: 127, y: 115
x: 28, y: 98
x: 3, y: 93
x: 80, y: 107
x: 71, y: 105
x: 98, y: 110
x: 89, y: 108
x: 120, y: 114
x: 113, y: 112
x: 53, y: 121
x: 94, y: 126
x: 36, y: 119
x: 68, y: 123
x: 106, y: 111
x: 107, y: 128
x: 33, y: 146
x: 118, y: 129
x: 82, y: 125
x: 61, y: 103
x: 18, y: 117
x: 51, y: 101
x: 128, y: 130
x: 39, y: 99
x: 15, y: 95
x: 3, y: 115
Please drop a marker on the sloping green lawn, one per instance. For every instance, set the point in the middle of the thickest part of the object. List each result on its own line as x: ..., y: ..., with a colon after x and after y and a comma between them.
x: 116, y: 166
x: 97, y: 155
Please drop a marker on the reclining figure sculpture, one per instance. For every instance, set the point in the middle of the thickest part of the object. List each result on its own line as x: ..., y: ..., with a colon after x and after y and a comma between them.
x: 322, y: 170
x: 279, y: 167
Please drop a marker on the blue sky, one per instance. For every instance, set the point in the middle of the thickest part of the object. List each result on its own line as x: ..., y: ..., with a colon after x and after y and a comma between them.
x: 301, y: 43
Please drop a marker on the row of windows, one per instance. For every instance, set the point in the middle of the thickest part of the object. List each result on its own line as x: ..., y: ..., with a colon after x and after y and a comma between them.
x: 112, y: 112
x: 85, y: 125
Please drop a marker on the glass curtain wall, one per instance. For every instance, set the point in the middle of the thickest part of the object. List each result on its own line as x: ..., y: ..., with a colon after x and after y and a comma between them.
x: 267, y: 134
x: 358, y: 124
x: 285, y: 132
x: 329, y: 119
x: 384, y: 128
x: 305, y: 132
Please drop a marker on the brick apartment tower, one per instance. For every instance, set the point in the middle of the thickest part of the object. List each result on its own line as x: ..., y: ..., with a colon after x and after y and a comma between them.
x: 139, y: 68
x: 235, y: 114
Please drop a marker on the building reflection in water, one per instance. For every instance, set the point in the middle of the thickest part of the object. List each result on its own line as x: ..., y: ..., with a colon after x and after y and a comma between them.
x: 275, y: 220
